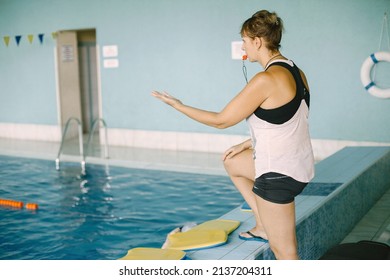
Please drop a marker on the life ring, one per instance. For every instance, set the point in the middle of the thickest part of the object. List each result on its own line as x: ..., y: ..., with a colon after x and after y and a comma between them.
x: 365, y: 74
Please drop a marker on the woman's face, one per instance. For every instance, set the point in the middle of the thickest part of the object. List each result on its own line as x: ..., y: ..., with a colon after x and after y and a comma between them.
x: 250, y: 48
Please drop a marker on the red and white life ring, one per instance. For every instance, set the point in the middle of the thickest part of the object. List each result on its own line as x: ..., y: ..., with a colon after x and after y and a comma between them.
x: 365, y: 74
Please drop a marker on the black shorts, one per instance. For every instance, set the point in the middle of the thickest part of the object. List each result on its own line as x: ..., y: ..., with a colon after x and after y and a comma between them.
x: 277, y: 188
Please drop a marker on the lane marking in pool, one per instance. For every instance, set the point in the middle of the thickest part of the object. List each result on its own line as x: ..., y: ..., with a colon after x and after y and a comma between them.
x: 18, y: 204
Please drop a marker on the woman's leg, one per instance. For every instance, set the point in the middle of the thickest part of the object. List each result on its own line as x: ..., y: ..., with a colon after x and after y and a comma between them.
x: 241, y: 169
x: 279, y: 224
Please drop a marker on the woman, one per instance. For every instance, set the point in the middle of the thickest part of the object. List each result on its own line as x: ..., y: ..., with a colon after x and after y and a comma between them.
x: 277, y: 162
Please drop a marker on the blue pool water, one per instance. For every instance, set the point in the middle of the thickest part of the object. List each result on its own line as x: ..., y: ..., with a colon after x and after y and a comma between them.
x: 99, y: 217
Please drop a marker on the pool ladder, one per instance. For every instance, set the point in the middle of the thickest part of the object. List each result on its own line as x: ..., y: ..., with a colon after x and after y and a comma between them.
x: 95, y: 123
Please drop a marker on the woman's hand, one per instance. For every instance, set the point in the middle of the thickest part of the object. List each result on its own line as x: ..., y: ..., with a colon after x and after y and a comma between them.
x: 166, y: 98
x: 236, y: 149
x: 232, y: 151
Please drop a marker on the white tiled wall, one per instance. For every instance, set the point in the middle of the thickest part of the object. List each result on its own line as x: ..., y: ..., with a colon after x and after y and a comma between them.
x: 30, y: 132
x: 166, y: 140
x: 183, y: 141
x: 215, y: 143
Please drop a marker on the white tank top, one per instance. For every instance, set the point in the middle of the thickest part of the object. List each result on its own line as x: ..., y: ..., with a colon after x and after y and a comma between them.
x: 280, y: 137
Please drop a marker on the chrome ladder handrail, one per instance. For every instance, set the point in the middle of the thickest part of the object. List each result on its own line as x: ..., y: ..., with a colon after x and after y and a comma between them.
x: 81, y: 144
x: 90, y: 136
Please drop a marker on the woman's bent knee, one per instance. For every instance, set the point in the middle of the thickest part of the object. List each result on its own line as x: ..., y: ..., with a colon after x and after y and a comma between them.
x: 240, y: 165
x: 228, y: 164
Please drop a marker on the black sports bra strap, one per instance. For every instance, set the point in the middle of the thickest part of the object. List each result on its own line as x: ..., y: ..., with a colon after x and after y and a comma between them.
x: 294, y: 70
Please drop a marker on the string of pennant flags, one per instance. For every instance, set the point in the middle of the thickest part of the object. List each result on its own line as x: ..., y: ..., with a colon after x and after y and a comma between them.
x: 30, y: 38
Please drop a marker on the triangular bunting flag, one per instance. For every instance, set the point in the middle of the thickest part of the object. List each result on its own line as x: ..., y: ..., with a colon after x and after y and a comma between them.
x: 40, y: 36
x: 54, y: 35
x: 17, y: 39
x: 6, y: 40
x: 30, y: 38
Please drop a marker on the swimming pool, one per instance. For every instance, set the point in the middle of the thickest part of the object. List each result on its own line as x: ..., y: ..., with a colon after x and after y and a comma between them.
x: 99, y: 217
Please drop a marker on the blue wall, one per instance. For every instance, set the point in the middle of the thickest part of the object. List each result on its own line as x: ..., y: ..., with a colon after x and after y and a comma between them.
x: 183, y: 47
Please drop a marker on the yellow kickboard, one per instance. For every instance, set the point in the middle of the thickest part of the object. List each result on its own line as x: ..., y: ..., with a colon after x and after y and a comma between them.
x: 197, y: 239
x: 227, y: 225
x: 208, y: 234
x: 142, y: 253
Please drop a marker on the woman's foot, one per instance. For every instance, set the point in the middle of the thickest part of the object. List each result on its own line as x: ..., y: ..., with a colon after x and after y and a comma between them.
x: 253, y: 235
